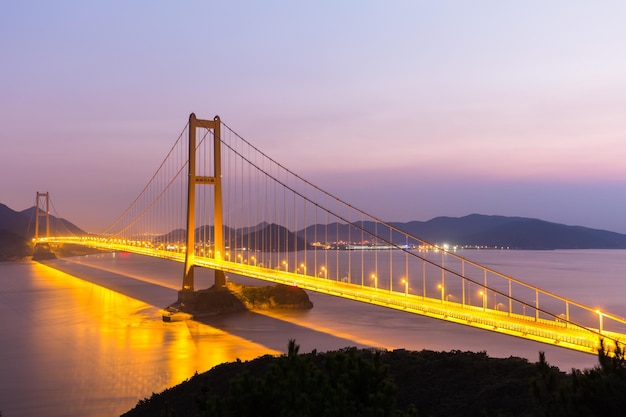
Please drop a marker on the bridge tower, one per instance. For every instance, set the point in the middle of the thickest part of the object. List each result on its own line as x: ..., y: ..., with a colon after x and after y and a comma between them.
x: 42, y: 209
x: 216, y: 181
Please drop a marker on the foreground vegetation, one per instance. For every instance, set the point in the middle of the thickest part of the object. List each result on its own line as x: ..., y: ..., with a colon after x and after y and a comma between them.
x: 352, y: 382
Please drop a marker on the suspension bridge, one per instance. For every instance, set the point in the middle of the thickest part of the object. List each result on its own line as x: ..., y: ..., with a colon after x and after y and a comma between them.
x: 218, y: 202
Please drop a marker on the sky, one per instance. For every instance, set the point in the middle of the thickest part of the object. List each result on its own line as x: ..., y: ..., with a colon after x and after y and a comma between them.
x: 408, y: 110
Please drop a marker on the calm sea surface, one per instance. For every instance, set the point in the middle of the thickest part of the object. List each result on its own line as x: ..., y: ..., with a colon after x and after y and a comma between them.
x: 84, y: 337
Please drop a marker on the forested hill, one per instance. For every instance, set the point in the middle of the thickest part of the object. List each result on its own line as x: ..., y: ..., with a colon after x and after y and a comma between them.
x: 512, y: 232
x: 486, y: 231
x: 400, y: 383
x: 18, y: 228
x: 22, y: 223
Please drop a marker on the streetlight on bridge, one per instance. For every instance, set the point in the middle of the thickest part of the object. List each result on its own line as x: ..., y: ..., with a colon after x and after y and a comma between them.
x: 323, y: 272
x: 601, y: 323
x: 406, y: 286
x: 484, y: 295
x: 375, y: 278
x: 442, y: 291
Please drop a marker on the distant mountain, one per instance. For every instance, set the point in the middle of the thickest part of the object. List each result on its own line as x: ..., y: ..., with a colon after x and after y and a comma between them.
x: 14, y: 223
x: 512, y: 232
x: 491, y: 231
x: 478, y: 230
x: 22, y: 224
x: 13, y: 247
x: 58, y: 226
x: 270, y: 237
x: 18, y: 228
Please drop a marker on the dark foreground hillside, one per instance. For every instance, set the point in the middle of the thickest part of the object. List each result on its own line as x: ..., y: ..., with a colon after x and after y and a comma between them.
x: 353, y: 382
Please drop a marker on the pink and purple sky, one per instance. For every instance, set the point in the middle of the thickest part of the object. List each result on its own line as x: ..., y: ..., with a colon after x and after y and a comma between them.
x: 406, y: 109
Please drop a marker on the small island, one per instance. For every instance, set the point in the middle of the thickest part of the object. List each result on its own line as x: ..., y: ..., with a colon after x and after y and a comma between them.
x: 236, y: 297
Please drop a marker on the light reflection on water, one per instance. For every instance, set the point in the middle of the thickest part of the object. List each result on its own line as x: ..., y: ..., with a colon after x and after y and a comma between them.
x: 73, y: 348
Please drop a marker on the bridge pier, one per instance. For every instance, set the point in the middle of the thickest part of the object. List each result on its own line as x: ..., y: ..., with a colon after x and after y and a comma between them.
x: 220, y: 278
x: 187, y: 297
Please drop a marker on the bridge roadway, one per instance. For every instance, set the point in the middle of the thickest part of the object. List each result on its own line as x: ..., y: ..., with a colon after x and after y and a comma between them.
x: 556, y: 332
